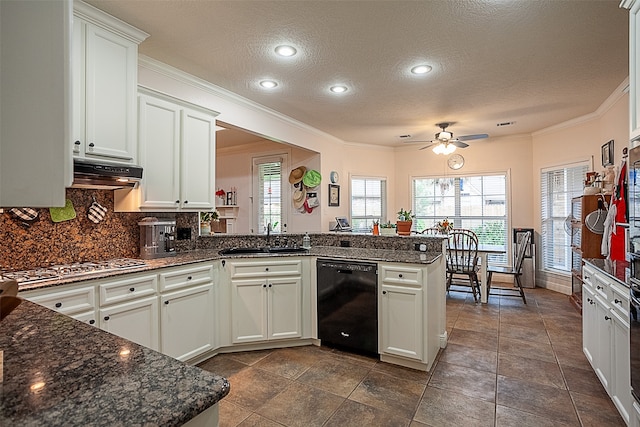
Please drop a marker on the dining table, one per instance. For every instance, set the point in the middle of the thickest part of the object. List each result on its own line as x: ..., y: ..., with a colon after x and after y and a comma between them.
x: 483, y: 253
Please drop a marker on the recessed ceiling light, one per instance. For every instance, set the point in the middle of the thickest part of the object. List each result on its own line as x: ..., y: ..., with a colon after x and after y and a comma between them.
x: 338, y: 89
x: 421, y: 69
x: 284, y: 50
x: 268, y: 84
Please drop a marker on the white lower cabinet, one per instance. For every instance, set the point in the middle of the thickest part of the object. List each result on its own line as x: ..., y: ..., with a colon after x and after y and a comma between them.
x: 89, y: 317
x: 187, y: 311
x: 401, y: 322
x: 136, y: 321
x: 605, y: 336
x: 411, y: 307
x: 266, y: 300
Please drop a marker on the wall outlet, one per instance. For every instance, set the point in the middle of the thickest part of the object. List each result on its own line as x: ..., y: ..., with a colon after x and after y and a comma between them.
x: 184, y: 233
x: 420, y: 247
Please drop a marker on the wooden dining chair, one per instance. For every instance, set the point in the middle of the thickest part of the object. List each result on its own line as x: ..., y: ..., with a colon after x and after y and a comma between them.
x: 432, y: 231
x: 462, y: 259
x: 515, y: 271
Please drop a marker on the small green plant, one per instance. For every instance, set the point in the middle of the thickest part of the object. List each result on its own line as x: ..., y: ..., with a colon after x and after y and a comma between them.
x: 387, y: 225
x: 405, y: 215
x: 209, y: 216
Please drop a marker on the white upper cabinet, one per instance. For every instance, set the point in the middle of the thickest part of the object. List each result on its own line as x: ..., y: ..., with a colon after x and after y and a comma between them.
x: 35, y: 81
x: 177, y: 152
x: 105, y: 75
x: 634, y: 66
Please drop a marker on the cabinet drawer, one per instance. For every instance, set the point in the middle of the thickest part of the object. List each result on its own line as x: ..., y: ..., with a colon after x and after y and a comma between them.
x: 252, y: 269
x: 68, y: 302
x: 128, y: 289
x: 401, y: 275
x: 88, y: 317
x: 588, y: 274
x: 183, y: 277
x: 620, y: 299
x: 601, y: 287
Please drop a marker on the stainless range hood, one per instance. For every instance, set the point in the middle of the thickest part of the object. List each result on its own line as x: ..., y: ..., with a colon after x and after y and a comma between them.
x: 103, y: 175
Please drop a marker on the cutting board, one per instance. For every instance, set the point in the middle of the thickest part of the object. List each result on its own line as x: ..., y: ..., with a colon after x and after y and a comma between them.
x: 63, y: 214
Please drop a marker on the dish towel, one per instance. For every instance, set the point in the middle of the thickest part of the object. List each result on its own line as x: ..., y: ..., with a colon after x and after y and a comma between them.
x: 97, y: 212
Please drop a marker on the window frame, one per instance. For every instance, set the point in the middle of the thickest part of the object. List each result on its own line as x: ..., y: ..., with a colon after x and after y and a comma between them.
x: 383, y: 200
x: 544, y: 227
x: 496, y: 259
x: 283, y: 158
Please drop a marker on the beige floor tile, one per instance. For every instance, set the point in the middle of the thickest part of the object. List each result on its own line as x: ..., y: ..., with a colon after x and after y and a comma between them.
x: 524, y: 333
x: 251, y: 388
x: 539, y: 371
x: 381, y: 391
x: 231, y: 414
x: 356, y: 414
x: 256, y: 420
x: 487, y: 326
x: 474, y: 339
x: 509, y: 417
x: 289, y: 362
x: 336, y: 375
x: 223, y: 364
x: 483, y: 360
x: 301, y: 405
x: 250, y: 357
x: 597, y: 411
x: 401, y: 372
x: 529, y: 349
x: 468, y: 381
x: 542, y: 400
x: 447, y: 408
x: 584, y: 381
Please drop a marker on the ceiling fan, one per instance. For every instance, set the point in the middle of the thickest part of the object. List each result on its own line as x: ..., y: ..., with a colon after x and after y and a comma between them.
x: 445, y: 143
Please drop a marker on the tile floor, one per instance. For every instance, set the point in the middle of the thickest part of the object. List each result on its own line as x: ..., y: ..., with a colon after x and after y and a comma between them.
x: 506, y: 364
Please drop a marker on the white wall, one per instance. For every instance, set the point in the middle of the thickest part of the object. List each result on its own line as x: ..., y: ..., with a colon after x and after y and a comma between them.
x: 573, y: 141
x: 234, y: 169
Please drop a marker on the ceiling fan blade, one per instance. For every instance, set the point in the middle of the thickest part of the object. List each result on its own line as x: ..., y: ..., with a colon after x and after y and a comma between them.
x: 470, y: 137
x: 427, y: 146
x: 459, y: 144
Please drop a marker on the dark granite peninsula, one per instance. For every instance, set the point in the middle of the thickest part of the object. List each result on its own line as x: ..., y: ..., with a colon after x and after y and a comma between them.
x: 57, y: 371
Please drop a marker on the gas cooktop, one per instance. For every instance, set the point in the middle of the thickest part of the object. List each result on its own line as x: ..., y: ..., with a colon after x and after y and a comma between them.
x: 55, y: 272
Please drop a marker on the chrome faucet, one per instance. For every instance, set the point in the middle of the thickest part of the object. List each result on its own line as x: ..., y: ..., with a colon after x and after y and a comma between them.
x: 268, y: 234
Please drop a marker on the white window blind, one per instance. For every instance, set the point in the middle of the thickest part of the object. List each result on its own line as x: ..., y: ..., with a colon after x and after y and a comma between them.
x: 268, y: 183
x: 558, y: 186
x: 368, y: 202
x: 477, y: 203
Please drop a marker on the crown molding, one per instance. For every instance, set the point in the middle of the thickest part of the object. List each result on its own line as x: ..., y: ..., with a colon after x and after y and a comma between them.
x: 618, y: 93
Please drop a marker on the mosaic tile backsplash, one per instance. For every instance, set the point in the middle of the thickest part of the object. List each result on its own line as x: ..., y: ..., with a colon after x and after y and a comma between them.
x: 45, y: 242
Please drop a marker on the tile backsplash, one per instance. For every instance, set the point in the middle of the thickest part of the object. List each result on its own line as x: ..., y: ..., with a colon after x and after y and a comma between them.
x: 46, y: 242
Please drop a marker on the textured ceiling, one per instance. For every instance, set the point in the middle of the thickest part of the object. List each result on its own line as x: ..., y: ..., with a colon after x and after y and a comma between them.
x: 535, y: 62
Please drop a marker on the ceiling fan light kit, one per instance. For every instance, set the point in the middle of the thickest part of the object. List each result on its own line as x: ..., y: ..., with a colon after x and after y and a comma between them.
x: 444, y: 148
x: 446, y: 144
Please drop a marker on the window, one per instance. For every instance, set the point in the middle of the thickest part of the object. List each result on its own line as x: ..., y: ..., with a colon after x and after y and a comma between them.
x: 268, y: 195
x: 558, y: 186
x: 477, y: 203
x: 368, y: 202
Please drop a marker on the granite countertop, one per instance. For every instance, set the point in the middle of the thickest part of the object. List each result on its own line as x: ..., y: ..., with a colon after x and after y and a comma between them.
x: 200, y: 255
x: 614, y: 269
x: 59, y: 371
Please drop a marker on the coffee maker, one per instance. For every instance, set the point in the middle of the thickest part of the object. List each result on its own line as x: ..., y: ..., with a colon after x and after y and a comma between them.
x: 157, y: 237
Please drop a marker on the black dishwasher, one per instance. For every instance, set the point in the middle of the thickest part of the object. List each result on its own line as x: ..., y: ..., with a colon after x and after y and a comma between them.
x: 348, y: 305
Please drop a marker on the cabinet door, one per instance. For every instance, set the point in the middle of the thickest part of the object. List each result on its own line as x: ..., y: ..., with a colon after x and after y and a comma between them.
x: 401, y: 321
x: 602, y: 356
x: 248, y: 310
x: 589, y: 332
x: 620, y: 387
x: 198, y: 160
x: 284, y: 296
x: 159, y: 128
x: 136, y: 321
x: 187, y: 323
x: 110, y: 95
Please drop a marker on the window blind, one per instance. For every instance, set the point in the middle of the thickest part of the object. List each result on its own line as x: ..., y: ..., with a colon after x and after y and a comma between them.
x: 557, y: 187
x: 368, y: 202
x: 477, y: 203
x: 269, y: 193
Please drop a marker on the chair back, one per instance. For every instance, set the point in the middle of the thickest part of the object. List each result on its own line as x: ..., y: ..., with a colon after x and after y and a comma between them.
x: 522, y: 249
x: 433, y: 231
x: 462, y: 251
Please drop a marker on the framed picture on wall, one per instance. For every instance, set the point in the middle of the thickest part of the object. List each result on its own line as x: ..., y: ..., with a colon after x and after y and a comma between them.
x: 334, y: 195
x: 607, y: 153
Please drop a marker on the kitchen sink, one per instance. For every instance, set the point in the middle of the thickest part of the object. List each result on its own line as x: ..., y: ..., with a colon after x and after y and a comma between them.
x: 261, y: 250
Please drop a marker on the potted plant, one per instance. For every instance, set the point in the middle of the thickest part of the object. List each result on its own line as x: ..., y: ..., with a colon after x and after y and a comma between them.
x: 376, y: 227
x: 444, y: 226
x: 386, y: 228
x: 405, y: 221
x: 205, y: 221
